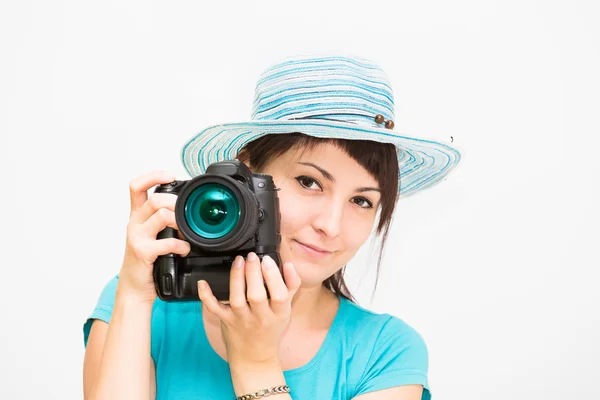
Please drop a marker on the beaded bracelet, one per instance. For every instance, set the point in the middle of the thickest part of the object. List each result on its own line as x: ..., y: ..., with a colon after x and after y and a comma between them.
x: 265, y: 392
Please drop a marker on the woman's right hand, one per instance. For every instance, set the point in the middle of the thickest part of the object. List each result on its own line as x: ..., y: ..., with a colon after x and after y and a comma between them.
x: 149, y: 216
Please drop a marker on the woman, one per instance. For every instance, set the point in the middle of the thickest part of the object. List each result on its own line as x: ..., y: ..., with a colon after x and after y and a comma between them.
x: 323, y: 128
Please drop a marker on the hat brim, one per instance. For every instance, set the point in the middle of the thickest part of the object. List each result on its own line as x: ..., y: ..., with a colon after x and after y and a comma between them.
x: 423, y: 163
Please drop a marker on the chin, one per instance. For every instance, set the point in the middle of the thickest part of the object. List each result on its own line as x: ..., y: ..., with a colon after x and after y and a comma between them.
x: 310, y: 274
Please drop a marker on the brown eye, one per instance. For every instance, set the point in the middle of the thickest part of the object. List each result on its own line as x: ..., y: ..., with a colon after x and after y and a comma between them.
x: 362, y: 202
x: 308, y: 182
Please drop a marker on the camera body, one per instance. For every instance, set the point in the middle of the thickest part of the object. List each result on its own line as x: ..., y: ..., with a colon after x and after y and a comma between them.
x: 225, y: 212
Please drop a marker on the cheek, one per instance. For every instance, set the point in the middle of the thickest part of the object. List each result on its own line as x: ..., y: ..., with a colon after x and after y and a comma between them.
x: 356, y: 231
x: 294, y: 213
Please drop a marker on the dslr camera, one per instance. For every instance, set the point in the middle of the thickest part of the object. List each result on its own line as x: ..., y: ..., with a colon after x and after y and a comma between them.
x: 225, y: 212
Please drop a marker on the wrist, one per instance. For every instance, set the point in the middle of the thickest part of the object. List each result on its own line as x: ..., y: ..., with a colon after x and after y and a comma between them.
x: 129, y: 297
x: 254, y: 376
x: 274, y: 390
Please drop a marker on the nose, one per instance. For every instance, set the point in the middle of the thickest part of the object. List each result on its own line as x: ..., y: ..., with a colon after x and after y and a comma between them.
x: 329, y: 218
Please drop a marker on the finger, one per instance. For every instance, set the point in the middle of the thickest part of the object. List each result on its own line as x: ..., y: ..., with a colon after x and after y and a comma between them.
x: 161, y: 219
x: 154, y: 203
x: 278, y: 291
x: 210, y: 301
x: 237, y: 288
x: 292, y: 279
x: 138, y: 187
x: 257, y: 295
x: 149, y: 250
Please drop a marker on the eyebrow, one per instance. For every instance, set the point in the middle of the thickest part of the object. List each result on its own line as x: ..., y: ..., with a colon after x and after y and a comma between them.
x: 330, y: 177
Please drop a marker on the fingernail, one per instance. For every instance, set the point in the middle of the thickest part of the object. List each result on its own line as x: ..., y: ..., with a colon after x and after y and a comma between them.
x: 268, y: 261
x: 202, y: 285
x: 238, y: 262
x: 252, y: 256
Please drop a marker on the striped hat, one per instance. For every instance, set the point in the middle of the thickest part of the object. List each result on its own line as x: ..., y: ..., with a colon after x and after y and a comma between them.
x: 329, y: 97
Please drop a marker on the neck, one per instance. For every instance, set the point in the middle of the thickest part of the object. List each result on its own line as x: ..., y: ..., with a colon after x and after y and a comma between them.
x: 312, y: 306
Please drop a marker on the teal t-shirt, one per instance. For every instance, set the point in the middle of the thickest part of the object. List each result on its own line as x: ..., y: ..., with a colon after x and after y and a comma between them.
x: 362, y: 352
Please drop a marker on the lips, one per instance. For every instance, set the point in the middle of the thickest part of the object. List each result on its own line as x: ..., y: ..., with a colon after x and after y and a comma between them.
x: 314, y: 250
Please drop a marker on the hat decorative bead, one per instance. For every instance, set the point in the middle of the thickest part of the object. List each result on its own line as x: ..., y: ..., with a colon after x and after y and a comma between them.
x: 380, y: 119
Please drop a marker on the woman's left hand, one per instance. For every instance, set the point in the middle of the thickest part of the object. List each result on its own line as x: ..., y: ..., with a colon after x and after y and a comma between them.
x: 252, y: 327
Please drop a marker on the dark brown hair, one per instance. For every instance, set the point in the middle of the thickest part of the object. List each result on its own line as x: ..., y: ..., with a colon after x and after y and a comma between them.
x: 379, y: 159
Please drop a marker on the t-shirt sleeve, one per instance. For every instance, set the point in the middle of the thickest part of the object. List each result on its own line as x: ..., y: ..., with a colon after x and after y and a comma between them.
x: 103, y: 309
x: 399, y: 357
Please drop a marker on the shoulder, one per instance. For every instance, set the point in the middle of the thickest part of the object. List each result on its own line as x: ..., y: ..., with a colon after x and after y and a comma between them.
x: 379, y: 327
x: 107, y: 296
x: 103, y: 308
x: 386, y: 350
x: 106, y: 300
x: 383, y: 340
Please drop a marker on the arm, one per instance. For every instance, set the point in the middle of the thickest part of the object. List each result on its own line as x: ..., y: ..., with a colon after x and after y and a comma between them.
x: 407, y: 392
x: 117, y: 361
x: 252, y: 325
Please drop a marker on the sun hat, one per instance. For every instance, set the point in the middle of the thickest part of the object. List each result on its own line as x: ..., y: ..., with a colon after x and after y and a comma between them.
x: 328, y: 96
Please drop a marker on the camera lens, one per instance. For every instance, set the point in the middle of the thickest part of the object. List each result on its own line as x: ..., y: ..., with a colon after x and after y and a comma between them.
x: 212, y: 210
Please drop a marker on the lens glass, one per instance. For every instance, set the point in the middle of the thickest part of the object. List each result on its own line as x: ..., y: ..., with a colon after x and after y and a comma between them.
x: 212, y: 210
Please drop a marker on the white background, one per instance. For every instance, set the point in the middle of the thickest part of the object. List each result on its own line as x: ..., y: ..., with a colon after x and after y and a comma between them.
x: 496, y: 267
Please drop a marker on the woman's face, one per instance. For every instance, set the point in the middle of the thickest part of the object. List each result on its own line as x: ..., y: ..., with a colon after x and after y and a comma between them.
x: 328, y: 205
